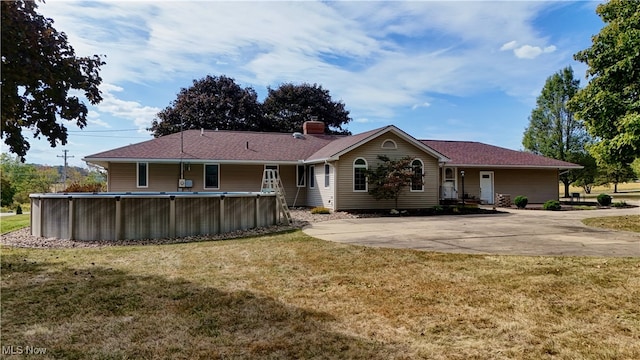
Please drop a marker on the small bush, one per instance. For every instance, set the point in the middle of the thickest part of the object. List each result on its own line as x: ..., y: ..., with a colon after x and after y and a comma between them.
x: 604, y: 200
x: 320, y: 210
x: 553, y: 205
x: 88, y: 187
x: 521, y: 201
x: 18, y: 210
x: 619, y: 204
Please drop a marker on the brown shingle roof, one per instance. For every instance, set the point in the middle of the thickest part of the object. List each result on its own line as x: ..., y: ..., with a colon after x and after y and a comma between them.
x: 238, y: 146
x: 260, y: 147
x: 471, y: 153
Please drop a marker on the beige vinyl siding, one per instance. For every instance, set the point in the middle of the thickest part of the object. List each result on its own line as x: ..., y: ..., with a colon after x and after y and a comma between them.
x: 346, y: 198
x: 164, y: 177
x: 321, y: 195
x: 471, y: 182
x: 314, y: 194
x: 538, y: 185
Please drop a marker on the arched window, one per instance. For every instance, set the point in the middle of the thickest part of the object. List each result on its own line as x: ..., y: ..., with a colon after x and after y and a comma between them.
x: 389, y: 144
x: 417, y: 182
x: 360, y: 175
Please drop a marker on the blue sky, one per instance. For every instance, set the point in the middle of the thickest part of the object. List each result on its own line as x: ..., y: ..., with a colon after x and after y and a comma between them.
x: 439, y: 70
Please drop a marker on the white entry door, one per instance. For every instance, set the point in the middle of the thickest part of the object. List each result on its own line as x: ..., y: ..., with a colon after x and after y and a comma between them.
x: 486, y: 187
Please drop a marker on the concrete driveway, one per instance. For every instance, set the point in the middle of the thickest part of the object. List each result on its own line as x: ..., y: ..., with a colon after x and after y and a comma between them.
x: 518, y: 232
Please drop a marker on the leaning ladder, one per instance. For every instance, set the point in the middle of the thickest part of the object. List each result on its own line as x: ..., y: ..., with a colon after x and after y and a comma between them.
x: 271, y: 183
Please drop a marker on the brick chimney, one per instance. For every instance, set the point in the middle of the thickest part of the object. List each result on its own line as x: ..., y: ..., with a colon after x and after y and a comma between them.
x: 313, y: 127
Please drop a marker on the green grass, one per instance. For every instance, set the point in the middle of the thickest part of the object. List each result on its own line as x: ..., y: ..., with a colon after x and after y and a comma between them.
x: 292, y: 296
x: 626, y: 191
x: 13, y: 222
x: 627, y: 222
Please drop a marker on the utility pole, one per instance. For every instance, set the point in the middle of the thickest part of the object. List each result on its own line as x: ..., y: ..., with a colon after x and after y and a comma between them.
x: 64, y: 174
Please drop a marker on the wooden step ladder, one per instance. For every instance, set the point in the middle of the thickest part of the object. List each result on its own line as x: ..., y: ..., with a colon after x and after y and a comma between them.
x: 271, y: 183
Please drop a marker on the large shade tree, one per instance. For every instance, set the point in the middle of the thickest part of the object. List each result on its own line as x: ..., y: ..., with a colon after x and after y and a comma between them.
x: 289, y: 106
x: 553, y: 130
x: 610, y: 103
x: 214, y: 102
x: 40, y: 76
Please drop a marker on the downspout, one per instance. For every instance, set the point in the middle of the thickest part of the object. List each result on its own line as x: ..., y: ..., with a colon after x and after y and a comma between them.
x: 335, y: 186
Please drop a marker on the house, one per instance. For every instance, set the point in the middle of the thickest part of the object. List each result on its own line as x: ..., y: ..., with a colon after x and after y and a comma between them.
x: 317, y: 169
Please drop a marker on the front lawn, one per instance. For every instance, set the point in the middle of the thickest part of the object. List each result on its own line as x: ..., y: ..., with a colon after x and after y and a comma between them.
x: 292, y: 296
x: 626, y: 222
x: 13, y: 222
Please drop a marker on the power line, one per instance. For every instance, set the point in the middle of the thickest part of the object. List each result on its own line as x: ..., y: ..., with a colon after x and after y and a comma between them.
x: 98, y: 131
x: 120, y: 137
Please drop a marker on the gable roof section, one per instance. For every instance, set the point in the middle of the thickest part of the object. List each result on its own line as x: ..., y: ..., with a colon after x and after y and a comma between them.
x: 336, y: 148
x: 218, y: 146
x: 475, y: 154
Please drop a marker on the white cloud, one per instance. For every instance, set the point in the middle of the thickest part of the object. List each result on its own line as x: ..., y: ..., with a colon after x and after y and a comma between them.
x: 509, y: 46
x: 139, y: 114
x: 351, y: 48
x: 424, y: 104
x: 532, y: 52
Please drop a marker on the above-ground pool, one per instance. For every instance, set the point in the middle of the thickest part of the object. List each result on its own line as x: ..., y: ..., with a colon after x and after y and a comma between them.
x: 144, y: 215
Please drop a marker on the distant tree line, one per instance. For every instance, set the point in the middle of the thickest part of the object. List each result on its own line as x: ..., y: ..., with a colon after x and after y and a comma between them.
x: 20, y: 179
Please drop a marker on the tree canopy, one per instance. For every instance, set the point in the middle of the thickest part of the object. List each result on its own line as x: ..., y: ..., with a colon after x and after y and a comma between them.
x: 39, y: 69
x: 388, y: 179
x: 214, y: 102
x: 610, y: 103
x: 24, y: 179
x: 289, y: 106
x: 553, y: 130
x: 217, y: 102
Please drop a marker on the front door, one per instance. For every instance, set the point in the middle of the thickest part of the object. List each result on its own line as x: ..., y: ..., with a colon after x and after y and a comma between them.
x: 486, y: 187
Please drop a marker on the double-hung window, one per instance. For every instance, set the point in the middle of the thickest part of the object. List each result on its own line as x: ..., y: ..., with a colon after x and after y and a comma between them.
x: 327, y: 175
x: 142, y: 175
x: 300, y: 175
x: 312, y: 176
x: 212, y: 176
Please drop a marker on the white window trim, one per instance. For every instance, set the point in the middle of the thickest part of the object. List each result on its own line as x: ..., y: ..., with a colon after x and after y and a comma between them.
x: 327, y: 176
x: 138, y: 175
x: 204, y: 177
x: 395, y: 146
x: 304, y: 176
x: 312, y: 176
x: 422, y: 175
x: 353, y: 172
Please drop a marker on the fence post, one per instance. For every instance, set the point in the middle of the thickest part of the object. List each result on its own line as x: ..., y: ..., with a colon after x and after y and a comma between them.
x: 118, y: 219
x: 71, y: 235
x: 222, y: 228
x: 172, y: 216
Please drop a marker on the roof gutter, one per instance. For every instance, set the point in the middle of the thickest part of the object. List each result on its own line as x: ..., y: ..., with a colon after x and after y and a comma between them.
x: 189, y: 161
x: 567, y: 168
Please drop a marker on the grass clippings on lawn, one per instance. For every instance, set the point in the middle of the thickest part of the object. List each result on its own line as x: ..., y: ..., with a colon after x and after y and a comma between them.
x: 626, y: 222
x: 292, y: 296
